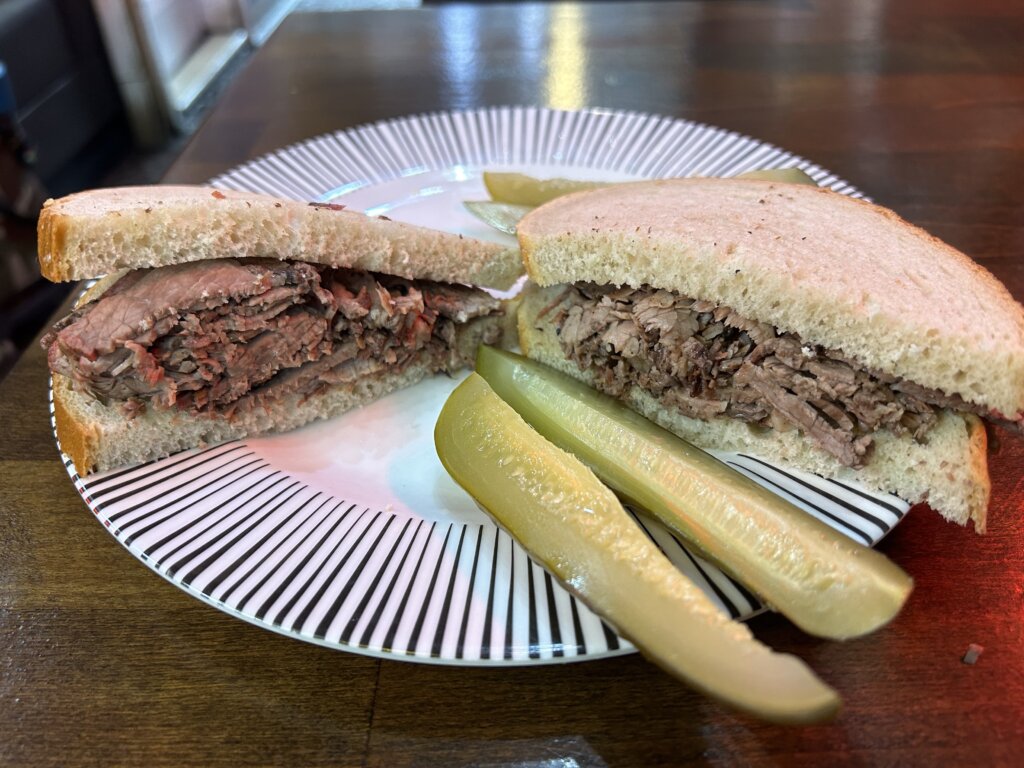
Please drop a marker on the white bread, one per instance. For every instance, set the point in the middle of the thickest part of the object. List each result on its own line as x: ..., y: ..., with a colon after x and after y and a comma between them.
x: 840, y: 272
x: 98, y: 437
x: 948, y: 470
x: 93, y: 233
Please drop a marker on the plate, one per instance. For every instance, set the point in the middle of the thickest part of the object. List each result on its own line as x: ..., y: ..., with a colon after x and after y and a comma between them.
x: 348, y: 532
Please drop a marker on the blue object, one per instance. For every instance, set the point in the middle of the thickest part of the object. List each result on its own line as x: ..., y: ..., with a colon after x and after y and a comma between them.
x: 7, y: 105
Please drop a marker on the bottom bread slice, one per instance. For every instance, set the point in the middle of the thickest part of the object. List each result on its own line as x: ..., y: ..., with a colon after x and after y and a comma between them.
x: 98, y: 437
x: 948, y: 470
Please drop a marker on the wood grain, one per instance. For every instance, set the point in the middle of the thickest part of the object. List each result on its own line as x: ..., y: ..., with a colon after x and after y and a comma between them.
x: 919, y: 103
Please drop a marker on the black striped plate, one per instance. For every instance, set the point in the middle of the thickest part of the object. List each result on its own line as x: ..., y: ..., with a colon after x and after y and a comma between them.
x: 349, y: 533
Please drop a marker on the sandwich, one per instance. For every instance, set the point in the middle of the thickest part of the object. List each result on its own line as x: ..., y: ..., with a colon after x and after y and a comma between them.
x: 783, y: 321
x: 224, y: 314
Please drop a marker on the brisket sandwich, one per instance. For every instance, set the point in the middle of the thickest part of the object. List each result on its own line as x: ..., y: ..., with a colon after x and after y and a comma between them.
x: 784, y: 321
x: 227, y: 314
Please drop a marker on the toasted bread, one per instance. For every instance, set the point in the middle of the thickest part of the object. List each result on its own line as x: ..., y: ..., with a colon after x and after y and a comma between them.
x: 93, y: 233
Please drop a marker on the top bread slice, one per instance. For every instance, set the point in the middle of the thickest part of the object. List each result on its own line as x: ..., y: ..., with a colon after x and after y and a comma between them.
x: 840, y: 272
x: 94, y: 233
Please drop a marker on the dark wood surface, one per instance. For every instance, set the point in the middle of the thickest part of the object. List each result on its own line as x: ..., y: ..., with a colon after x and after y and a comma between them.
x: 919, y: 103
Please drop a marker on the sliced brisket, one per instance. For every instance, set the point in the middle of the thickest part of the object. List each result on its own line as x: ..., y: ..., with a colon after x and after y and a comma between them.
x: 707, y: 361
x: 219, y: 336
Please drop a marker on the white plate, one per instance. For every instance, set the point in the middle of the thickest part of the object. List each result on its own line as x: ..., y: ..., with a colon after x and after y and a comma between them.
x: 349, y: 533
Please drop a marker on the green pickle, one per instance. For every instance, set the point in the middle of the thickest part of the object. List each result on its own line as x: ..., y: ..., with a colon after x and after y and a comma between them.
x: 520, y: 189
x: 572, y: 524
x: 787, y: 175
x: 822, y: 581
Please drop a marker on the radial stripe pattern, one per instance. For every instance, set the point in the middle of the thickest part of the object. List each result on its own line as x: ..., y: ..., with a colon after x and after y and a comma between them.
x: 599, y: 140
x: 235, y: 531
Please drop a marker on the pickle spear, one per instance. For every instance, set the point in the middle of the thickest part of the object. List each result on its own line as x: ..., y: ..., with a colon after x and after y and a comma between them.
x: 822, y: 581
x: 520, y: 189
x: 566, y: 519
x: 787, y: 175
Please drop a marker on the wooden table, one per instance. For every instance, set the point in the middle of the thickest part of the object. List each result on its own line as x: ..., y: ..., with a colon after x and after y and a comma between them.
x: 921, y: 104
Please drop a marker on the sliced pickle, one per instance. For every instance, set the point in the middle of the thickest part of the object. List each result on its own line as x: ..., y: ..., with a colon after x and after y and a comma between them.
x: 504, y: 217
x: 566, y: 519
x: 520, y: 189
x: 787, y: 175
x: 822, y: 581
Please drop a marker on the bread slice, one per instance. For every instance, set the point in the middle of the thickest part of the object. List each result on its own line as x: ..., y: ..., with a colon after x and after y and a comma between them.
x: 93, y: 233
x: 948, y: 470
x: 840, y: 272
x: 98, y: 437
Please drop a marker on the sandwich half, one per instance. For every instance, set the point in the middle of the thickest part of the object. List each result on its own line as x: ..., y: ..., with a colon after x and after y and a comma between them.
x: 225, y: 314
x: 784, y: 321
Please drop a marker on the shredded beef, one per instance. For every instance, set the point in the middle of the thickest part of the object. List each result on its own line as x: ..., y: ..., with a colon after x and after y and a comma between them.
x: 705, y: 361
x: 226, y: 336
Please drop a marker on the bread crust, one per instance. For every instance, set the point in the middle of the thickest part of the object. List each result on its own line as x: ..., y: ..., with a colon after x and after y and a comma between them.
x: 77, y: 438
x: 89, y: 234
x: 840, y: 272
x: 949, y: 472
